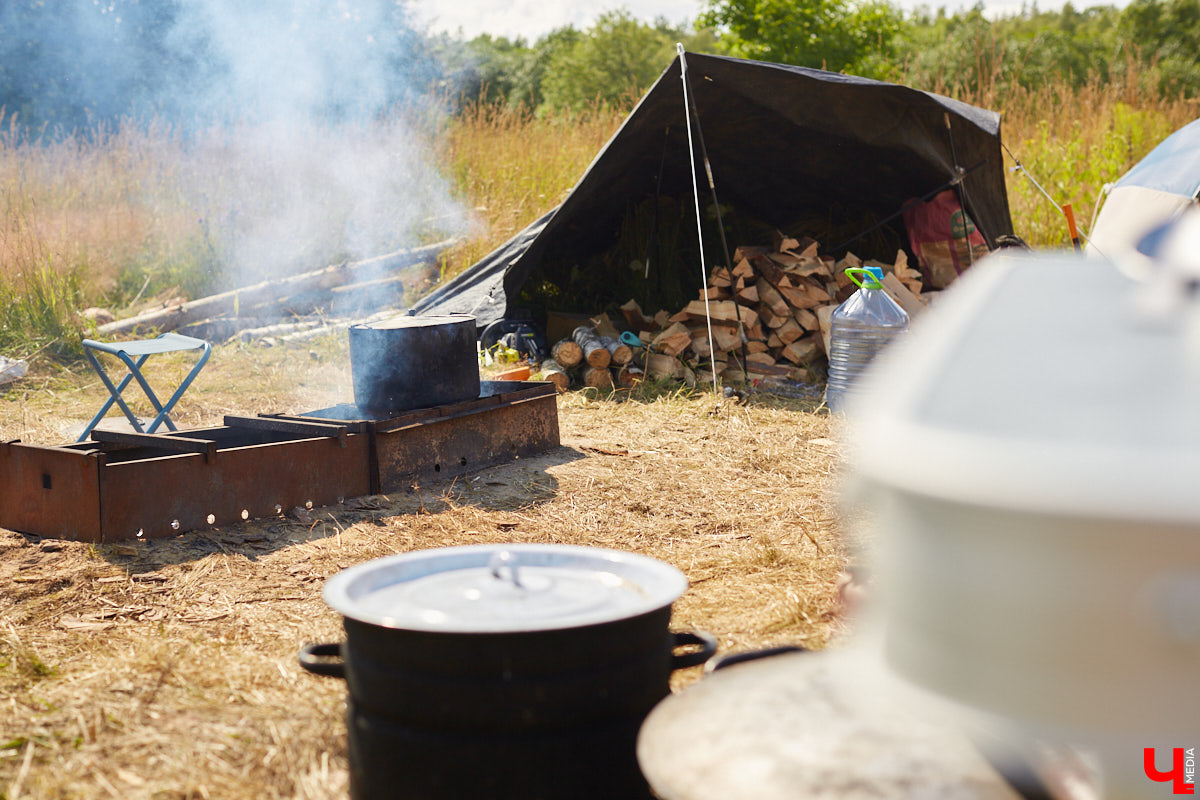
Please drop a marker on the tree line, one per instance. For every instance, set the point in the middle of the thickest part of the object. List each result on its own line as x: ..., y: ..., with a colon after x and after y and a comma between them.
x: 68, y: 65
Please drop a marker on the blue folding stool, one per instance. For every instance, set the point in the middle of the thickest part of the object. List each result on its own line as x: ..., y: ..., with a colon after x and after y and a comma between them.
x: 142, y: 350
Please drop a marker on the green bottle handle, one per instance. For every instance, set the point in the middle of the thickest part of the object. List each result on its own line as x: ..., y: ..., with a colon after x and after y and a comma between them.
x: 850, y: 274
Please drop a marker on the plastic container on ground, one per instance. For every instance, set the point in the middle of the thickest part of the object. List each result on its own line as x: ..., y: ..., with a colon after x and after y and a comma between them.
x: 860, y: 328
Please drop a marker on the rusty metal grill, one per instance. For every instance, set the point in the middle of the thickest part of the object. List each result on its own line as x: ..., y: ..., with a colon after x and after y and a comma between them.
x: 122, y: 486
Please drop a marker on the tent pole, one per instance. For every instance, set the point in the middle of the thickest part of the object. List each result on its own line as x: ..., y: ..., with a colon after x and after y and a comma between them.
x: 689, y: 95
x: 712, y: 348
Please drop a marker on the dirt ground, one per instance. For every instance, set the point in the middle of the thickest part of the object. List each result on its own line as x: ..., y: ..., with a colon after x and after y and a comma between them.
x: 167, y: 668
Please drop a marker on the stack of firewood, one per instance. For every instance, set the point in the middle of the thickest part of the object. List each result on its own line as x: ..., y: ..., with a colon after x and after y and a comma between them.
x: 593, y: 356
x: 772, y: 311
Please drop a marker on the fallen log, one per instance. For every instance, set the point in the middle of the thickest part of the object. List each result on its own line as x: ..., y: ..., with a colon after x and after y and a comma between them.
x: 619, y: 352
x: 176, y: 316
x: 594, y: 353
x: 598, y: 377
x: 567, y: 354
x: 551, y: 371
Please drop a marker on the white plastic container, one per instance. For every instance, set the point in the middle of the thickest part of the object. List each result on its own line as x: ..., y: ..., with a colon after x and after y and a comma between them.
x: 1032, y: 454
x: 859, y: 329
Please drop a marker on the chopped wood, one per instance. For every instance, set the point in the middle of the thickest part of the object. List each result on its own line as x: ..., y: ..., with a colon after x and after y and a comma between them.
x: 850, y: 261
x: 782, y: 243
x: 660, y: 319
x: 567, y: 353
x: 604, y: 327
x: 552, y: 371
x: 789, y: 331
x: 759, y: 358
x: 748, y: 295
x: 801, y: 349
x: 773, y: 341
x: 714, y: 293
x: 514, y: 374
x: 720, y: 277
x: 769, y: 295
x: 743, y: 269
x: 662, y: 366
x: 903, y: 297
x: 629, y: 376
x: 825, y: 319
x: 672, y: 341
x: 598, y: 377
x: 594, y: 353
x: 619, y: 352
x: 635, y: 317
x: 807, y: 319
x: 746, y: 251
x: 768, y: 269
x: 772, y: 319
x: 755, y: 332
x: 757, y: 347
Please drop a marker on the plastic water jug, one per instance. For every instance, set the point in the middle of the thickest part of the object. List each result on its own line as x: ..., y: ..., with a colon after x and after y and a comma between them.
x: 860, y: 328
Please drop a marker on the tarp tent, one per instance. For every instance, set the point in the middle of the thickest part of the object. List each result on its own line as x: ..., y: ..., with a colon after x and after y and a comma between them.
x: 1158, y: 187
x: 783, y: 142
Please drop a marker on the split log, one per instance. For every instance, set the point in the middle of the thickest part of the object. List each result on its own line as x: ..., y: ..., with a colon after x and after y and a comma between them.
x: 660, y: 319
x: 770, y: 297
x: 629, y: 376
x: 594, y: 353
x: 176, y: 316
x: 672, y: 341
x: 742, y: 269
x: 567, y: 353
x: 714, y: 293
x: 598, y: 377
x: 789, y: 331
x: 825, y: 319
x: 552, y: 371
x: 661, y: 366
x: 757, y: 347
x: 800, y: 350
x: 746, y: 251
x: 635, y: 317
x: 903, y: 297
x: 807, y: 319
x: 720, y: 277
x: 755, y: 332
x: 748, y: 295
x: 603, y: 327
x: 619, y: 353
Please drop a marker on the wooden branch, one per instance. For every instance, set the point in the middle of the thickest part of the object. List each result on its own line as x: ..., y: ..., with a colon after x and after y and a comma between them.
x: 215, y: 305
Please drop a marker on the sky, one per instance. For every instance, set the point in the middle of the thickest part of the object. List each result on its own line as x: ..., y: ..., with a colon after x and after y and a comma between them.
x: 533, y: 18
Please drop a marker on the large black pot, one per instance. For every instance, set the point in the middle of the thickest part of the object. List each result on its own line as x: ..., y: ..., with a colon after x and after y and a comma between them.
x: 410, y: 362
x: 522, y: 693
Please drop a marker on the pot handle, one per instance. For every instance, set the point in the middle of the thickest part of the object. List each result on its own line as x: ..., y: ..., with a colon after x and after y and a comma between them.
x: 706, y: 641
x: 730, y: 659
x: 318, y: 659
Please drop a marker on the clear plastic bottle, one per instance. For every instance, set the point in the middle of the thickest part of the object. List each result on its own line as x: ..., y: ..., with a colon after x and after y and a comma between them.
x: 860, y: 328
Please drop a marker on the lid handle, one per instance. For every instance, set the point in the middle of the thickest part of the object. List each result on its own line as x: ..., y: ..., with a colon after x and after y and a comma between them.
x: 497, y: 564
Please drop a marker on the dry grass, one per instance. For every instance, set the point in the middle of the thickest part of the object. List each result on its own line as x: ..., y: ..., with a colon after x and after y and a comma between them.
x: 166, y: 669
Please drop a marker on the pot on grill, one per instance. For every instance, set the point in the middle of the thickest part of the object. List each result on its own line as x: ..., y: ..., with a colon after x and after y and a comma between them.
x: 503, y: 671
x: 410, y: 362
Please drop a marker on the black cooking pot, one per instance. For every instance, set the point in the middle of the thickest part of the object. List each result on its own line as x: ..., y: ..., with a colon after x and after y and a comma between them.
x: 503, y: 672
x: 409, y: 362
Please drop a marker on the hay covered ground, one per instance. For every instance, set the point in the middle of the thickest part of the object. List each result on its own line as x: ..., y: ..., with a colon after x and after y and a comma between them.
x: 167, y: 669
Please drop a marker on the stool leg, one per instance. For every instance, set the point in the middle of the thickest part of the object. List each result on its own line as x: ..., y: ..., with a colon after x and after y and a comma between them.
x: 114, y: 395
x: 187, y: 381
x: 136, y: 373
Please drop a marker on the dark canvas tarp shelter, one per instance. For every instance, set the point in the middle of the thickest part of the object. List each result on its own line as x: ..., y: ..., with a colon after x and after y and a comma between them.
x: 783, y: 141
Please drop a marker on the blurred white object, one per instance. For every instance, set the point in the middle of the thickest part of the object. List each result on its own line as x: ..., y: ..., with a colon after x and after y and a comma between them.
x: 1032, y: 452
x: 11, y: 370
x: 1157, y: 189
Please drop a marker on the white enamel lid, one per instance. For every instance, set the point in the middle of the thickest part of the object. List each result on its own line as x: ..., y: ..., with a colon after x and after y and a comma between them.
x: 503, y: 588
